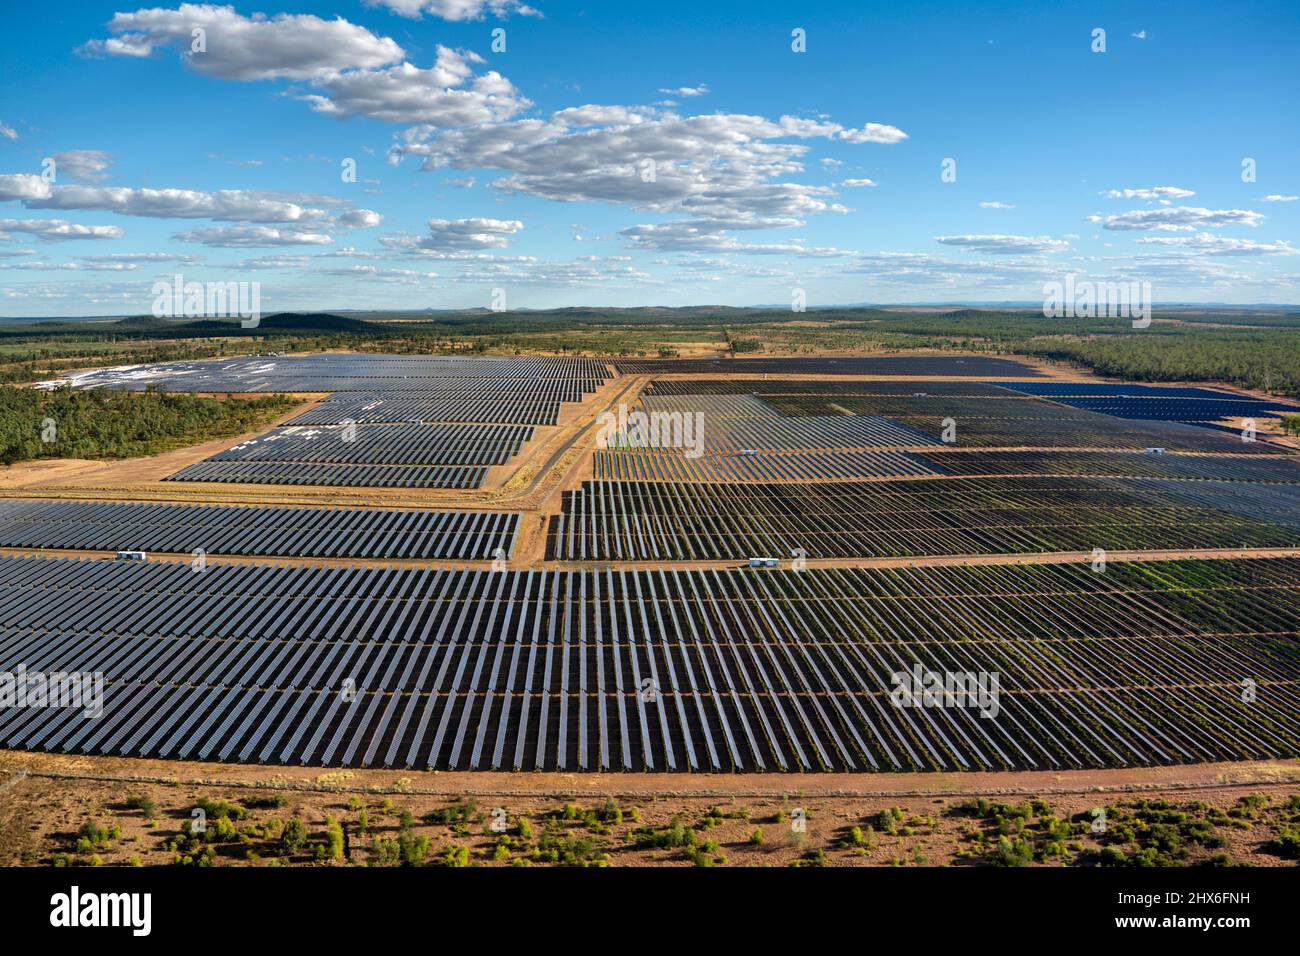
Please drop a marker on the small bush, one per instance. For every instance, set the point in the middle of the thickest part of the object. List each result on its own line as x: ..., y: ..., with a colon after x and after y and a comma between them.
x: 294, y: 836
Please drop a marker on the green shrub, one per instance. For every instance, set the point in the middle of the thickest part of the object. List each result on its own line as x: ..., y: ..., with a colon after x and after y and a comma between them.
x: 144, y: 803
x: 333, y: 839
x: 294, y: 836
x: 455, y: 855
x: 269, y: 802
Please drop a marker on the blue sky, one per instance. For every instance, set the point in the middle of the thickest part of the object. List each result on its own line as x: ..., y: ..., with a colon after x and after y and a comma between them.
x: 633, y: 154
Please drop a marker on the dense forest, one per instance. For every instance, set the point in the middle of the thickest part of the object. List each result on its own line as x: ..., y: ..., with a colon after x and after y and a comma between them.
x: 1266, y: 360
x: 113, y: 424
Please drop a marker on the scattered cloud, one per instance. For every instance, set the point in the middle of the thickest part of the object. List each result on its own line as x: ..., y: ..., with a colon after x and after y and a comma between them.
x: 1178, y: 219
x: 140, y: 258
x: 713, y: 237
x: 456, y: 10
x: 723, y: 171
x: 22, y: 187
x: 1210, y: 244
x: 916, y: 270
x: 400, y: 276
x: 236, y: 237
x: 855, y: 183
x: 874, y: 133
x: 355, y: 72
x: 57, y: 230
x: 687, y: 90
x: 82, y: 165
x: 457, y: 235
x: 1275, y: 197
x: 438, y: 96
x: 274, y: 262
x: 8, y: 132
x: 996, y: 205
x: 1152, y: 192
x: 600, y: 273
x: 228, y: 205
x: 1005, y: 245
x: 285, y: 46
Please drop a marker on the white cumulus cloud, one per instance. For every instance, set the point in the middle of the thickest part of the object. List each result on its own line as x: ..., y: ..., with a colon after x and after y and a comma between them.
x: 285, y: 46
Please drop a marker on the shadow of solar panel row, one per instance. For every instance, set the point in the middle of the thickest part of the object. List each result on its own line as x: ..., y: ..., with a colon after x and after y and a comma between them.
x: 244, y: 530
x: 1081, y: 429
x: 975, y: 366
x: 647, y: 521
x: 339, y: 476
x: 764, y: 387
x: 659, y: 671
x: 643, y: 464
x: 1255, y: 468
x: 375, y: 411
x: 401, y: 444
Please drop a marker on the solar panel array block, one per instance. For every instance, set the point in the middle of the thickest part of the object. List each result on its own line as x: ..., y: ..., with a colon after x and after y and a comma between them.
x: 660, y: 670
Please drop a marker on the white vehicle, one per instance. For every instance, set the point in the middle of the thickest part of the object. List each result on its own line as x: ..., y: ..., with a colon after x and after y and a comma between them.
x: 764, y: 562
x: 132, y: 556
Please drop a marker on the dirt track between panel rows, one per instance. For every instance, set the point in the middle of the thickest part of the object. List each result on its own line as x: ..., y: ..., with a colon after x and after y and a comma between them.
x: 491, y: 783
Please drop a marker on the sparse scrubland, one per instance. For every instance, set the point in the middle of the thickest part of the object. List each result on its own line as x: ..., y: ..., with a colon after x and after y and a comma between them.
x: 103, y: 823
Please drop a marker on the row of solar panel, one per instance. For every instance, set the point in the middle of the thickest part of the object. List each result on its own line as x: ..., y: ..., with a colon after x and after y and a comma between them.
x: 1280, y: 468
x: 927, y: 365
x: 1058, y: 389
x: 655, y: 465
x: 401, y: 444
x: 764, y: 387
x: 742, y: 435
x: 379, y: 411
x: 1087, y: 431
x: 1174, y: 404
x: 267, y: 530
x: 338, y: 476
x: 658, y: 465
